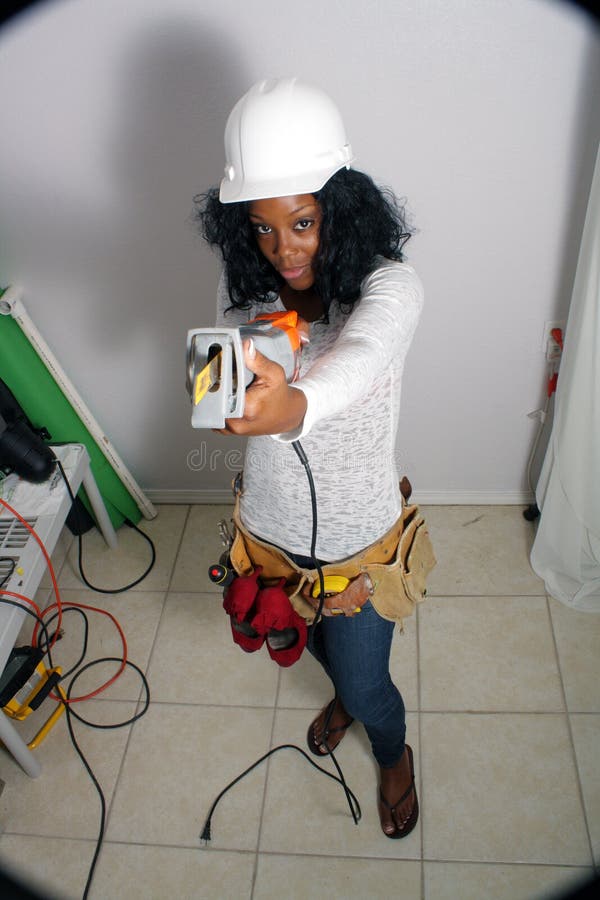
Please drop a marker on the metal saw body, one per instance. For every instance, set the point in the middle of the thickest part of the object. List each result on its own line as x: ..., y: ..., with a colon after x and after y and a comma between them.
x: 217, y: 377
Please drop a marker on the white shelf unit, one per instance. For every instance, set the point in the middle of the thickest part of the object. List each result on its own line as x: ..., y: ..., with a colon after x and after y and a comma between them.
x: 18, y: 544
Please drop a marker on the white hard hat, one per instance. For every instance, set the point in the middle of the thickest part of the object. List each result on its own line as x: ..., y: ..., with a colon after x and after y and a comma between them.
x: 282, y: 137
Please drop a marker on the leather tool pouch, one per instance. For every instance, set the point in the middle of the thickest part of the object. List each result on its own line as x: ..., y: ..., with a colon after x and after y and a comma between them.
x: 397, y: 564
x: 401, y: 583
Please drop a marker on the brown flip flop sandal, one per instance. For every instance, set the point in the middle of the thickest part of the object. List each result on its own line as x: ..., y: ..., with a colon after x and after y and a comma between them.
x: 321, y: 749
x: 405, y: 829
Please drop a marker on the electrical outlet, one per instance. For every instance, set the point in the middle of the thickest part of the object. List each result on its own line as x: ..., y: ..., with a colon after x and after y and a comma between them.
x: 551, y: 348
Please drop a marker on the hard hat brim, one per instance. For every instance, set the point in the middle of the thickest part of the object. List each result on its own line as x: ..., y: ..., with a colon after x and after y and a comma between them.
x: 310, y: 183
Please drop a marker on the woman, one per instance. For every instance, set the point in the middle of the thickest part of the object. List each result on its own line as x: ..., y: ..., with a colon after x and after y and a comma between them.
x: 299, y: 230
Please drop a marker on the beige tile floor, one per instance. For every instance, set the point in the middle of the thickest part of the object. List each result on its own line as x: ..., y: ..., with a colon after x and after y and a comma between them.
x: 501, y: 688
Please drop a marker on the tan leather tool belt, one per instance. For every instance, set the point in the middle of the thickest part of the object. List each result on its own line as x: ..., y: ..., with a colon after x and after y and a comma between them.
x: 391, y: 572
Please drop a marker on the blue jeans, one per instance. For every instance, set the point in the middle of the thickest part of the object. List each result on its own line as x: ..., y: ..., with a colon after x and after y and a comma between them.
x: 355, y: 653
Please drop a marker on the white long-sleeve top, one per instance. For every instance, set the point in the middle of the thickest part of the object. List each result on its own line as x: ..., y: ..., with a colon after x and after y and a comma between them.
x: 351, y: 374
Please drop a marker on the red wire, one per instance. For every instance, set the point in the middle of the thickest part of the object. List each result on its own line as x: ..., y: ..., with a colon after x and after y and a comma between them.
x: 59, y: 606
x: 119, y: 671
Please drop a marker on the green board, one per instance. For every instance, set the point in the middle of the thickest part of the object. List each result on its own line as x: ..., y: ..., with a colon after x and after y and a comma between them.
x: 25, y: 374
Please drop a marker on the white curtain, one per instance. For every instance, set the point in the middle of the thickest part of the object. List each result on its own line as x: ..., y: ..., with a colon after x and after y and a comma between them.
x: 566, y: 550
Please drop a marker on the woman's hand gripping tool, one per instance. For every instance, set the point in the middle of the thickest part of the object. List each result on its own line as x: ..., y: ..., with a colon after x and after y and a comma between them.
x: 216, y: 375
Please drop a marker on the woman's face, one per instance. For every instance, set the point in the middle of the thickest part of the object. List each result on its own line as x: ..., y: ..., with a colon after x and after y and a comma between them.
x: 287, y: 233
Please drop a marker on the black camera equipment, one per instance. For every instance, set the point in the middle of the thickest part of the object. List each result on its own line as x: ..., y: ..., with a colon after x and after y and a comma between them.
x: 22, y: 447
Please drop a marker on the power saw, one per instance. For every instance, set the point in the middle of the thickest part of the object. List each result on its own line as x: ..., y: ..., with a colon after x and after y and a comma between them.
x: 216, y: 375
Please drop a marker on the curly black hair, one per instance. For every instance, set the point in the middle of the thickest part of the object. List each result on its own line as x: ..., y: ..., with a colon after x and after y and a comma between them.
x: 360, y: 223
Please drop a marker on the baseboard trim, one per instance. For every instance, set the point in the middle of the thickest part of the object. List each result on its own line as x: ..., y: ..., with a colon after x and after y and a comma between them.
x: 473, y: 498
x: 211, y: 496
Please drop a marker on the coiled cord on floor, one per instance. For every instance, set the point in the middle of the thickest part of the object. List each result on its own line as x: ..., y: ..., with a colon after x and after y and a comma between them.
x: 129, y: 524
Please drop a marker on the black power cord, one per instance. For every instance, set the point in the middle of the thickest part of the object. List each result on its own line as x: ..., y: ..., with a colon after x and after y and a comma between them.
x: 12, y: 566
x: 206, y: 831
x: 353, y: 803
x: 130, y: 524
x: 6, y: 602
x: 299, y: 450
x: 71, y: 714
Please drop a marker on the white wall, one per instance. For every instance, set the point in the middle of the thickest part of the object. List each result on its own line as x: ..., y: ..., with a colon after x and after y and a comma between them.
x: 480, y: 112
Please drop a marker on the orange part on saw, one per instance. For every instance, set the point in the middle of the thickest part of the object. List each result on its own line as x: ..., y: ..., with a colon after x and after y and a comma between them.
x: 286, y: 321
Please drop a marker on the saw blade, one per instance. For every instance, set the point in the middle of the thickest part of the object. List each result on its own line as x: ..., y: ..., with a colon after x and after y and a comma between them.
x: 207, y: 378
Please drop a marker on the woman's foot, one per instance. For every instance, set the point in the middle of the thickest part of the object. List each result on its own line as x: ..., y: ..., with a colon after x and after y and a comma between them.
x: 398, y: 803
x: 328, y: 729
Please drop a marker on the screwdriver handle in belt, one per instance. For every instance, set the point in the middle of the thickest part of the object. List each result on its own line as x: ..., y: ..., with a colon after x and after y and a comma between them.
x: 221, y: 575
